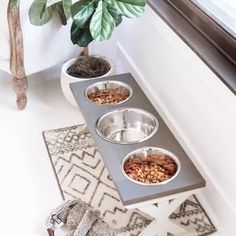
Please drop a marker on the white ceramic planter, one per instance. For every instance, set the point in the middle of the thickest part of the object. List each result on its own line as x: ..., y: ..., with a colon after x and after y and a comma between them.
x: 66, y: 79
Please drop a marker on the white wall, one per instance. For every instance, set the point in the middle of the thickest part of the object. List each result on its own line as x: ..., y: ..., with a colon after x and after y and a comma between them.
x: 44, y: 46
x: 4, y: 37
x: 196, y: 105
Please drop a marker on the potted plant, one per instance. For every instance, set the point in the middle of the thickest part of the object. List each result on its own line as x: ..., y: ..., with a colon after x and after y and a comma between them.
x: 92, y: 20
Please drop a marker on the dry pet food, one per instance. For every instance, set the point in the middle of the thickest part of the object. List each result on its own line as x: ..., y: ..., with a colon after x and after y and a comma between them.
x: 152, y: 169
x: 108, y: 96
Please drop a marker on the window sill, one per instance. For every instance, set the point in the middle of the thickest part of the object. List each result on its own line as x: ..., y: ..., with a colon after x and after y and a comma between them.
x: 208, y: 53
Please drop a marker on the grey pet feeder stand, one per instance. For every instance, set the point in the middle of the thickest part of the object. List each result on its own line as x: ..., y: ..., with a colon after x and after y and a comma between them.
x: 160, y: 200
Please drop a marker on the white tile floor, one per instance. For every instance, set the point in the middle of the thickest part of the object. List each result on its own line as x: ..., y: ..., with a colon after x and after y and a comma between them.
x: 28, y: 186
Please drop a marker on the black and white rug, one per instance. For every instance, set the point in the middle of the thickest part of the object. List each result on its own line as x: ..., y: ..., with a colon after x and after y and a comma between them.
x: 81, y: 173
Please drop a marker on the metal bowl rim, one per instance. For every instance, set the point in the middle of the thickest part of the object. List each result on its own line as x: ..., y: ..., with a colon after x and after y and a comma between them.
x: 127, y: 108
x: 110, y: 81
x: 165, y: 151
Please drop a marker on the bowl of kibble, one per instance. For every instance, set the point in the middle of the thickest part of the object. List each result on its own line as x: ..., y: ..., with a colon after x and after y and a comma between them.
x: 127, y: 125
x: 151, y: 166
x: 108, y: 92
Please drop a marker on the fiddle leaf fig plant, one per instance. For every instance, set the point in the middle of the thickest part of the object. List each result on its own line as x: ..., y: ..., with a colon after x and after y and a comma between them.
x: 101, y: 17
x: 92, y: 19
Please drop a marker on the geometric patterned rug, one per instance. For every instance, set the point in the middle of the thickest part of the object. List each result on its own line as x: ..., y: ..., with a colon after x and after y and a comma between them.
x: 81, y: 173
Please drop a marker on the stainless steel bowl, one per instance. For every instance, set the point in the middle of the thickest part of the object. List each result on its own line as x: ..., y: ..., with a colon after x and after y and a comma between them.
x: 146, y: 151
x: 127, y: 126
x: 109, y: 84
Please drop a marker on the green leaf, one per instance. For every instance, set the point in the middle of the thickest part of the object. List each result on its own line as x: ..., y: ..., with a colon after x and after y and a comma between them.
x: 52, y: 2
x: 129, y: 8
x: 63, y: 9
x: 39, y: 14
x: 60, y: 10
x: 102, y: 23
x: 66, y: 7
x: 81, y: 12
x: 117, y: 19
x: 114, y: 13
x: 81, y: 37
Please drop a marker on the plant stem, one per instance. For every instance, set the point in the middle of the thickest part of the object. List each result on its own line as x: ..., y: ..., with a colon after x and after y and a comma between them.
x: 86, y: 52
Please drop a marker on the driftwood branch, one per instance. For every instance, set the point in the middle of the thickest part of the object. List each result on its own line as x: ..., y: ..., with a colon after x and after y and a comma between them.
x: 17, y: 68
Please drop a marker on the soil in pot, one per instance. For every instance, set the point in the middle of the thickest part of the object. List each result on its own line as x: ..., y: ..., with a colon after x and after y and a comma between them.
x: 89, y: 67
